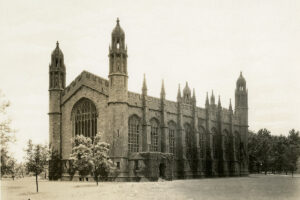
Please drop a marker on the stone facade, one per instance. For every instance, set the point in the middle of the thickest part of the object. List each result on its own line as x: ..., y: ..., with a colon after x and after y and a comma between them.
x: 149, y: 137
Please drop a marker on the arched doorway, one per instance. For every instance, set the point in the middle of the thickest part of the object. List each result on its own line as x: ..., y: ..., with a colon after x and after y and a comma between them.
x: 162, y: 170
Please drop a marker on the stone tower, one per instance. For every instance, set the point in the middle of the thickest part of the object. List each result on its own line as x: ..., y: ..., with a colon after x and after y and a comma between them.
x: 57, y: 81
x: 117, y: 127
x: 241, y: 112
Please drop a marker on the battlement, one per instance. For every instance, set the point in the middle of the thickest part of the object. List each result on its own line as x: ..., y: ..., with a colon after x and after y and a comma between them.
x: 87, y: 79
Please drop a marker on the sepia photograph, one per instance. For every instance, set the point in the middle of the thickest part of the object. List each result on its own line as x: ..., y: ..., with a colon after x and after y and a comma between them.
x: 157, y: 100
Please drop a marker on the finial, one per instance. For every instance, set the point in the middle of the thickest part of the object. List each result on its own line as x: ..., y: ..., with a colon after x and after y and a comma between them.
x: 57, y: 44
x: 212, y: 98
x: 144, y: 85
x: 162, y: 92
x: 207, y: 101
x: 230, y: 106
x: 219, y: 101
x: 179, y: 92
x: 241, y: 73
x: 118, y: 21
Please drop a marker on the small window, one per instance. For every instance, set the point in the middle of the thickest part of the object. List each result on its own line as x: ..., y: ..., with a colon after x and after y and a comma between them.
x: 118, y: 165
x: 118, y: 45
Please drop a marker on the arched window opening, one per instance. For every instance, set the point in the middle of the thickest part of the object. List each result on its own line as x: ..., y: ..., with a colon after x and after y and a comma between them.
x: 188, y: 140
x: 237, y: 145
x: 134, y: 128
x: 202, y: 141
x: 118, y: 45
x: 84, y: 118
x: 172, y: 132
x: 227, y: 145
x: 215, y: 144
x: 154, y: 135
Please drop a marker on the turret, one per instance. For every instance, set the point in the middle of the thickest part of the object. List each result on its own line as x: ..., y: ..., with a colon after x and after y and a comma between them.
x: 57, y: 77
x: 117, y: 112
x: 57, y: 81
x: 57, y: 70
x: 118, y: 78
x: 241, y: 112
x: 241, y: 100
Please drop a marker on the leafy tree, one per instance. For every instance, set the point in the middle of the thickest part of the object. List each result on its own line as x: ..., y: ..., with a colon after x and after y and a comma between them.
x: 36, y: 159
x: 102, y: 165
x: 264, y: 148
x: 91, y: 158
x: 82, y: 155
x: 6, y: 136
x: 54, y: 165
x: 293, y: 150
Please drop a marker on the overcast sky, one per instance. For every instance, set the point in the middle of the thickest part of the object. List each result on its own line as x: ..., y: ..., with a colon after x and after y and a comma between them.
x: 206, y: 43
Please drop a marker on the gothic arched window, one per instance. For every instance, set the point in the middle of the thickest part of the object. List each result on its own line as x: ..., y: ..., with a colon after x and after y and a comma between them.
x: 154, y: 135
x: 134, y: 128
x: 237, y: 144
x: 215, y: 143
x: 172, y: 136
x: 202, y: 141
x: 84, y: 118
x: 188, y: 140
x: 227, y: 145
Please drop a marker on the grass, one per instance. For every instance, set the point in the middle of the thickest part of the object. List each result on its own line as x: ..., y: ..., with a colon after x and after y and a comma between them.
x: 254, y: 187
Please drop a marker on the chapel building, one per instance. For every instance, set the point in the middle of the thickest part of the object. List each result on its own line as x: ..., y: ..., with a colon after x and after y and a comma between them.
x: 149, y: 137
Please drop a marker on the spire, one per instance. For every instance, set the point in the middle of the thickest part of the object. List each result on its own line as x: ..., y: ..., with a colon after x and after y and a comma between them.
x: 219, y: 102
x: 230, y: 106
x: 162, y: 92
x: 206, y: 101
x: 178, y: 93
x: 144, y: 89
x: 212, y: 98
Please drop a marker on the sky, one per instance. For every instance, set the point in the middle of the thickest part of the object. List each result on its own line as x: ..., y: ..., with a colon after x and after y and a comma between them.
x: 206, y: 43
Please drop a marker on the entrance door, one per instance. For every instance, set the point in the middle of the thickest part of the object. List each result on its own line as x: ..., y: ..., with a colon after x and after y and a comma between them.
x: 162, y: 169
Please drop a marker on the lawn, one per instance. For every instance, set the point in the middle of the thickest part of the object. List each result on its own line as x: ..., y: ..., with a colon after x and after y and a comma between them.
x: 254, y: 187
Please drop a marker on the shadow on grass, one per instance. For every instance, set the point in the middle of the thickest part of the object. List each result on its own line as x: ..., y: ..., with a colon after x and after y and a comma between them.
x: 79, y: 186
x: 28, y: 193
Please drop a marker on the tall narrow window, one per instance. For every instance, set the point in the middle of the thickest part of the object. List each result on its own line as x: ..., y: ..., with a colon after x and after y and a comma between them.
x: 133, y: 133
x: 227, y: 145
x: 172, y: 131
x: 188, y: 140
x: 202, y: 141
x: 237, y: 145
x: 215, y: 143
x: 84, y: 118
x: 154, y: 135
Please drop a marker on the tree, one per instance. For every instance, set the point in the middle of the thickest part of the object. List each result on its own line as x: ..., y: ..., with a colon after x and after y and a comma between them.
x: 91, y: 157
x: 36, y: 159
x: 81, y: 158
x: 6, y: 136
x: 102, y: 165
x: 54, y: 165
x: 264, y: 148
x: 293, y: 150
